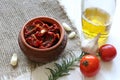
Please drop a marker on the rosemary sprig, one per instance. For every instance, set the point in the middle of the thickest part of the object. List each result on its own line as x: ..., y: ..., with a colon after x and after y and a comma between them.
x: 63, y: 68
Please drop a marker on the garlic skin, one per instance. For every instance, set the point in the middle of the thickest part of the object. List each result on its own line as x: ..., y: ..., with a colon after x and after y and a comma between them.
x: 90, y: 45
x: 14, y: 60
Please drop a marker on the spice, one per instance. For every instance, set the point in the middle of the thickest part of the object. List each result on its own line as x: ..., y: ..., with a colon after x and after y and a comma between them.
x: 66, y: 27
x: 72, y: 35
x: 14, y: 60
x: 63, y: 68
x: 90, y: 45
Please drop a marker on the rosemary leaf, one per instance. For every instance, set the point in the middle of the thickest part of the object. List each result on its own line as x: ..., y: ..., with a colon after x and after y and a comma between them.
x: 58, y: 66
x: 52, y: 71
x: 63, y: 68
x: 64, y: 74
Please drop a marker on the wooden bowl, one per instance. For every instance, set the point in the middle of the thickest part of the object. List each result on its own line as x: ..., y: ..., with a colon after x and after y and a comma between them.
x: 46, y: 54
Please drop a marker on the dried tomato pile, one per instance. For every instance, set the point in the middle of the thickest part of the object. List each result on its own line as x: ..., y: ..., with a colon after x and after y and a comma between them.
x: 41, y: 34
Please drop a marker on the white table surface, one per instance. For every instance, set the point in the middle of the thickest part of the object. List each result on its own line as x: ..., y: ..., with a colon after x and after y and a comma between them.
x: 109, y: 70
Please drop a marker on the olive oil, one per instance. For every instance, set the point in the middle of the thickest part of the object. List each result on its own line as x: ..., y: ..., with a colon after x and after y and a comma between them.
x: 95, y: 21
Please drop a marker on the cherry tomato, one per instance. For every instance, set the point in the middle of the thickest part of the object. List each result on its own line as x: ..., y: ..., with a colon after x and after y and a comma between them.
x: 89, y: 65
x: 107, y: 52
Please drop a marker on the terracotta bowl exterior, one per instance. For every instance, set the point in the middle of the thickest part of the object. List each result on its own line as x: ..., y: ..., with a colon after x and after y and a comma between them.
x: 47, y: 54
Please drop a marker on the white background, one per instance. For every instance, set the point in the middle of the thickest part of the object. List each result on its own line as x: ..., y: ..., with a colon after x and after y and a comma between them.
x: 109, y: 70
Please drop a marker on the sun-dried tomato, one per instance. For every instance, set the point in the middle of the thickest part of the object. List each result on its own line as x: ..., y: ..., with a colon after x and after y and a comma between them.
x: 41, y: 34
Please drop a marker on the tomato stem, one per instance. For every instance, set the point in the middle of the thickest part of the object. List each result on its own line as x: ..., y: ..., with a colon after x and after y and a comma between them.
x: 85, y: 63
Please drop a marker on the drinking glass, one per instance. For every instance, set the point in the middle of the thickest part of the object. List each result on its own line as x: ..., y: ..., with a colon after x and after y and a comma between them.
x: 97, y: 16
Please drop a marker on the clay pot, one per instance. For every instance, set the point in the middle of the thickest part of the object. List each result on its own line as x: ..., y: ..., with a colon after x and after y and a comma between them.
x: 47, y: 54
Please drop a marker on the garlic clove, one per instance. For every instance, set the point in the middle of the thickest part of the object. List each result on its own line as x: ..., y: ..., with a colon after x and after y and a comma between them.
x: 72, y: 35
x: 66, y: 27
x: 90, y: 45
x: 14, y: 60
x: 43, y: 31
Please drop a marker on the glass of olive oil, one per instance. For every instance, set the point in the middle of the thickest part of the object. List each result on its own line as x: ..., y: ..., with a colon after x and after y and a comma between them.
x: 97, y: 18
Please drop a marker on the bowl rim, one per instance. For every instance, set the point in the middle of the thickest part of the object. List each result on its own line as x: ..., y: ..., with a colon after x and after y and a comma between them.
x: 62, y: 33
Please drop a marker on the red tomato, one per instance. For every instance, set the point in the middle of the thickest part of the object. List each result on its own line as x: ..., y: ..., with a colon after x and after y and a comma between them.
x: 89, y: 65
x: 107, y: 52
